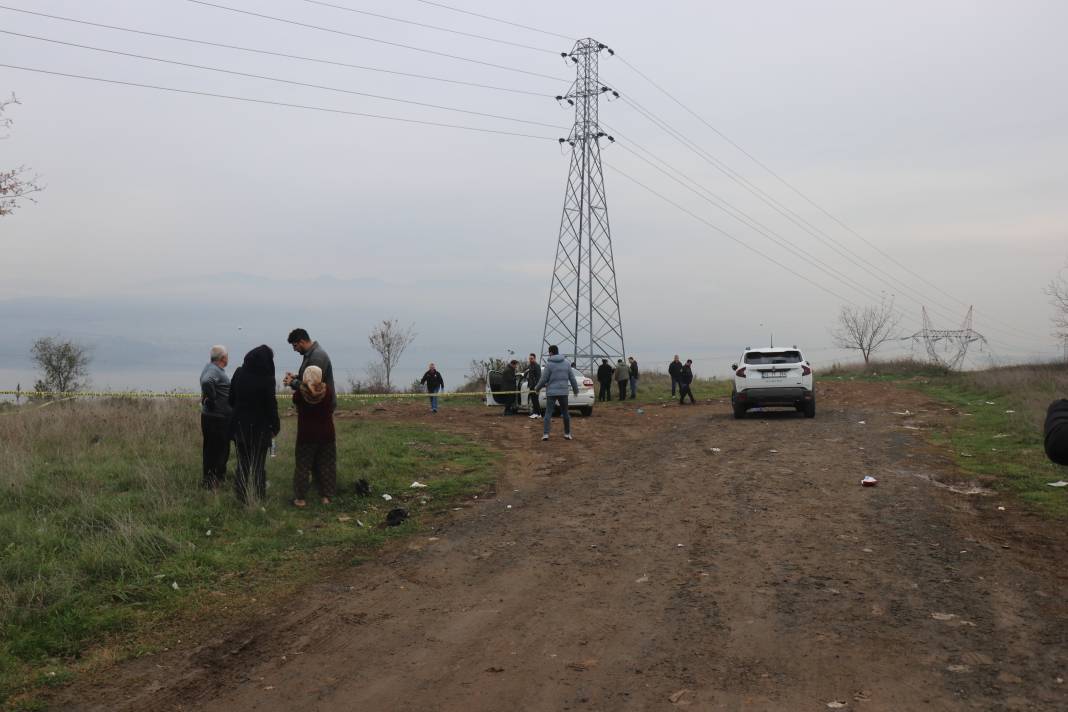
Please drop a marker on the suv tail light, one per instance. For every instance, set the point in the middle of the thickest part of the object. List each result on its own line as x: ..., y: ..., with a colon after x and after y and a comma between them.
x: 587, y: 382
x: 740, y: 373
x: 805, y: 370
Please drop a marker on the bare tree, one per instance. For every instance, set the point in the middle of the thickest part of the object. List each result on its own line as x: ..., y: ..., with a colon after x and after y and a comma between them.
x: 16, y: 184
x: 390, y: 340
x: 479, y: 372
x: 64, y: 365
x: 1057, y: 290
x: 865, y: 329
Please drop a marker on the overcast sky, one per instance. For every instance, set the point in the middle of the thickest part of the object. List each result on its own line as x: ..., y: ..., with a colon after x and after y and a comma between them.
x: 937, y: 131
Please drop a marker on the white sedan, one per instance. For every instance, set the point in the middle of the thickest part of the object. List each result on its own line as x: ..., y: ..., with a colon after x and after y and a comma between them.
x: 496, y: 389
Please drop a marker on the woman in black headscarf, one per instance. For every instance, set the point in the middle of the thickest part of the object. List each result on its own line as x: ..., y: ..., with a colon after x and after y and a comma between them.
x: 255, y: 420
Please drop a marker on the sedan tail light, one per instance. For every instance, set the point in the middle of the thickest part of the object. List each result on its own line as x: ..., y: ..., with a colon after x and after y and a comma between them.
x: 740, y: 373
x: 805, y: 370
x: 587, y: 382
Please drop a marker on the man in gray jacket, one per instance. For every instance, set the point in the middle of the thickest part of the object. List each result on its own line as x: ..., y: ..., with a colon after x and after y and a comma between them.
x: 556, y: 376
x: 215, y: 418
x: 314, y: 355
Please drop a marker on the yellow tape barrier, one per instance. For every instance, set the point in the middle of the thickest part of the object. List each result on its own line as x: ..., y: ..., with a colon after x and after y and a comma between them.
x: 68, y: 395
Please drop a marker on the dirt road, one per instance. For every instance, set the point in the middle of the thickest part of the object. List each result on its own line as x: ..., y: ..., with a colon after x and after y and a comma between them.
x: 637, y: 568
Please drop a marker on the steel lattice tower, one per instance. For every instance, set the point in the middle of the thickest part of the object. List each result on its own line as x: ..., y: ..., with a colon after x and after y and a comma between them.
x: 961, y: 339
x: 583, y: 313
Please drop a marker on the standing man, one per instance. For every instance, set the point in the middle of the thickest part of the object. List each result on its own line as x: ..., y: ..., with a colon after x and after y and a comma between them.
x: 674, y: 369
x: 604, y: 377
x: 215, y: 417
x: 434, y: 382
x: 555, y: 379
x: 633, y: 377
x: 622, y: 374
x: 510, y: 382
x: 533, y: 376
x: 314, y: 355
x: 685, y: 379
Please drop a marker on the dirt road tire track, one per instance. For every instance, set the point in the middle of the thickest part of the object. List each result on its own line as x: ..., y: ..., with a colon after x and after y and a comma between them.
x: 638, y: 569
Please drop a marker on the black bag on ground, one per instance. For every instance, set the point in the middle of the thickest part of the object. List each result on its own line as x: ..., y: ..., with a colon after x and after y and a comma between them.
x: 1055, y: 433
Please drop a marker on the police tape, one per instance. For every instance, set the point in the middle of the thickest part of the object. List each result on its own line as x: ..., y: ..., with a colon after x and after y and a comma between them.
x: 144, y: 395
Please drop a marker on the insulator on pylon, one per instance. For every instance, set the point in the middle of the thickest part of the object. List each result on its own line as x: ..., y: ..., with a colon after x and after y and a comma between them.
x: 611, y: 51
x: 570, y: 101
x: 563, y: 54
x: 575, y: 60
x: 615, y: 94
x: 559, y: 97
x: 612, y: 139
x: 601, y: 46
x: 563, y: 140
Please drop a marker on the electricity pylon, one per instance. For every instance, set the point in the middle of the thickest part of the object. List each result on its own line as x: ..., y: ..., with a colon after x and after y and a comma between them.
x: 959, y: 339
x: 583, y: 317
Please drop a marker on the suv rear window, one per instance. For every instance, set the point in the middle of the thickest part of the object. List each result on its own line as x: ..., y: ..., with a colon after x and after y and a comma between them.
x: 759, y: 357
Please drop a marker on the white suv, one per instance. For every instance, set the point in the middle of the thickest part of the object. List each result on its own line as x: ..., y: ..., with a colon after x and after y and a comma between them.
x: 773, y: 377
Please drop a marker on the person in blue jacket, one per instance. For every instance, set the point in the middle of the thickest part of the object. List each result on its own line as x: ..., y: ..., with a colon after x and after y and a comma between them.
x: 556, y: 377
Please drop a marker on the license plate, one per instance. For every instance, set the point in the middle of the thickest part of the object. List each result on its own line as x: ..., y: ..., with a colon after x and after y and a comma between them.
x: 773, y: 374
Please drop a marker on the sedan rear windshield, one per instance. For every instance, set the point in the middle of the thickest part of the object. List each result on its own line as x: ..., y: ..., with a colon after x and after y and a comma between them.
x: 759, y: 357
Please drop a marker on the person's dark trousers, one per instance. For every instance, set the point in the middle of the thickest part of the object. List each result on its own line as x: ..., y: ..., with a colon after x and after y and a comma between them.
x: 250, y: 475
x: 674, y: 384
x: 509, y: 406
x: 535, y: 403
x: 633, y: 387
x: 622, y: 390
x: 551, y: 404
x: 215, y: 430
x: 605, y: 394
x: 684, y: 390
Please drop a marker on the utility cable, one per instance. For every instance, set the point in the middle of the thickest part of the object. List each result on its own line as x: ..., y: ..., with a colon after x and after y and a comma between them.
x: 272, y: 53
x: 728, y: 235
x: 269, y: 102
x: 443, y: 6
x: 726, y: 207
x: 280, y: 80
x: 380, y: 16
x: 835, y: 246
x: 368, y: 38
x: 811, y: 202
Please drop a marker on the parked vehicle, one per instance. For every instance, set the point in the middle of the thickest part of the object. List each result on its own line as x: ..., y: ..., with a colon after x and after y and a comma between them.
x: 779, y: 377
x: 496, y: 388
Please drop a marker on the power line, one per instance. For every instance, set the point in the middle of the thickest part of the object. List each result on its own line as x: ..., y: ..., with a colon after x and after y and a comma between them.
x: 276, y: 103
x: 739, y: 215
x: 428, y: 26
x: 790, y: 215
x: 373, y: 39
x: 272, y: 53
x: 811, y: 202
x: 495, y: 19
x: 726, y: 234
x: 279, y: 80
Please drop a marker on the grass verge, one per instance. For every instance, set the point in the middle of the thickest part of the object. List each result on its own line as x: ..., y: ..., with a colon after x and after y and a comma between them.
x: 996, y: 435
x: 105, y: 536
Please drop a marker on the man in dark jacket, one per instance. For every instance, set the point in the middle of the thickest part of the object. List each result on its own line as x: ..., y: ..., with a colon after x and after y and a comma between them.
x: 434, y: 382
x: 604, y: 377
x: 215, y: 417
x: 633, y: 377
x: 685, y: 379
x: 674, y: 368
x: 1055, y: 433
x: 533, y: 375
x: 511, y: 383
x: 314, y: 355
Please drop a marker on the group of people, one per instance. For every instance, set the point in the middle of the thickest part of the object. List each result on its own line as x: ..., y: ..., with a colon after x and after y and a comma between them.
x: 623, y: 374
x: 244, y: 410
x: 681, y: 376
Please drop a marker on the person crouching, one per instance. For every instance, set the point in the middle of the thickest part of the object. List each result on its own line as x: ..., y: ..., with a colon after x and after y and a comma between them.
x: 316, y: 453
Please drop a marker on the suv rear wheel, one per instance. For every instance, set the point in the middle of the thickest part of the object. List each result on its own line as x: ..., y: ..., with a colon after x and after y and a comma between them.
x: 809, y: 408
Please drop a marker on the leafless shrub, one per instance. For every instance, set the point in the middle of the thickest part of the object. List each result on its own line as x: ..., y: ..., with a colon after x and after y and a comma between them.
x: 865, y: 329
x: 389, y: 340
x: 16, y: 184
x: 1057, y: 291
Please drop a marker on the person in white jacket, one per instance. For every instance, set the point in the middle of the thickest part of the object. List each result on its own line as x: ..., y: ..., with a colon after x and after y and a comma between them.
x: 556, y: 377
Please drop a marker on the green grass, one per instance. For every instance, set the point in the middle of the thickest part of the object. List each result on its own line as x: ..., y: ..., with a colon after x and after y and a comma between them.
x: 655, y: 387
x: 1001, y: 448
x: 105, y: 536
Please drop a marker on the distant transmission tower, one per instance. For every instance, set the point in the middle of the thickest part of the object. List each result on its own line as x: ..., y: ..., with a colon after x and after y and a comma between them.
x: 955, y: 342
x: 583, y: 313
